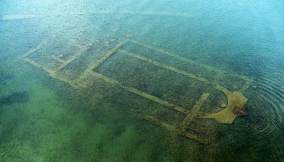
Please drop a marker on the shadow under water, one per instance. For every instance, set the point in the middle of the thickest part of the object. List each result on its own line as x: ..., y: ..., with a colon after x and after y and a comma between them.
x: 5, y: 78
x: 15, y: 97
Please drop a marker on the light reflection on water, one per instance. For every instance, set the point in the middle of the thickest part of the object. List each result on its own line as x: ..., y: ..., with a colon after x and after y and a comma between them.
x: 45, y: 119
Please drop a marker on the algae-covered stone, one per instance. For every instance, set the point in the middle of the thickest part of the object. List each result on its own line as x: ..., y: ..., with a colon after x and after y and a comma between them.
x: 236, y: 102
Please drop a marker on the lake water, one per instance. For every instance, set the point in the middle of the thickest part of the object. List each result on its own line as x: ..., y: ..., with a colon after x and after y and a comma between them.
x: 143, y: 81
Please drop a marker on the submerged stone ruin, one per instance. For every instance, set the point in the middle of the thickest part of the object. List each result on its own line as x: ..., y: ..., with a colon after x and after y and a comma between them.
x: 193, y: 93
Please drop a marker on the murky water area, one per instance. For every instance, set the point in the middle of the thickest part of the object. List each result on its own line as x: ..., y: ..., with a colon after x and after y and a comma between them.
x: 143, y: 81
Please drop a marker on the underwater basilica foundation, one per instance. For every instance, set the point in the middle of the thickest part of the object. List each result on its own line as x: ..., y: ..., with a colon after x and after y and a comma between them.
x: 193, y: 97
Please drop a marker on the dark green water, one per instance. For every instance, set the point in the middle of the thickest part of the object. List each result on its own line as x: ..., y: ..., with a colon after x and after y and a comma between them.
x: 43, y: 118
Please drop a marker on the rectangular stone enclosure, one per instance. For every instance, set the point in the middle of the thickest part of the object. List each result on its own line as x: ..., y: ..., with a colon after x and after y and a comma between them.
x: 175, y: 83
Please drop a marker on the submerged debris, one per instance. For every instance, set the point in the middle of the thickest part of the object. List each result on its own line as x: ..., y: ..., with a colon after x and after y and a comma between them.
x: 16, y: 97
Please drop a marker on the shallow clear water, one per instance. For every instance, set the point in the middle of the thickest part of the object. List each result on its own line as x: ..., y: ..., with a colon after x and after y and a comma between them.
x: 59, y: 102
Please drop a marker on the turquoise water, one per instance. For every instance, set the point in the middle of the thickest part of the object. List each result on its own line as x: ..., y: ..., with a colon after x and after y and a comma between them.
x: 71, y: 115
